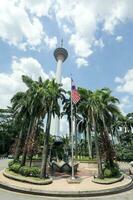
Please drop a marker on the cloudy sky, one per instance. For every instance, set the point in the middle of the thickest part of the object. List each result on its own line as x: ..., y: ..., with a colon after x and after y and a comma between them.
x: 98, y: 35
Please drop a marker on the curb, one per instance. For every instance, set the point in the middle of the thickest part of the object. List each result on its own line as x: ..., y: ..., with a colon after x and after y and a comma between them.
x: 116, y: 190
x: 115, y: 181
x: 46, y: 182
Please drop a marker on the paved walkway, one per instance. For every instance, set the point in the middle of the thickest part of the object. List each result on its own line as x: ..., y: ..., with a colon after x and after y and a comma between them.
x: 6, y: 195
x: 61, y: 185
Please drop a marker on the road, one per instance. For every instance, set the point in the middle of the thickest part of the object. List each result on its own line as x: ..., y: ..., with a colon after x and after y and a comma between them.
x: 7, y: 195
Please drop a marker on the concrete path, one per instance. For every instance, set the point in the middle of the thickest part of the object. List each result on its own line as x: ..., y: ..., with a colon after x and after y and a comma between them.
x: 6, y: 195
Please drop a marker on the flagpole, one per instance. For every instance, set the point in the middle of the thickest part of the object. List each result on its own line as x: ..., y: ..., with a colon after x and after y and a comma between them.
x: 72, y: 162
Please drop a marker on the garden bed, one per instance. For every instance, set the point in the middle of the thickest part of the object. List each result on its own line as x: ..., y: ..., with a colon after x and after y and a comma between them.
x: 33, y: 180
x: 108, y: 180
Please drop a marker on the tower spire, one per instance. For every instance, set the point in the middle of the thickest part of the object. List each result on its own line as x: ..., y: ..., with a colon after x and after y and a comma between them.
x: 61, y: 42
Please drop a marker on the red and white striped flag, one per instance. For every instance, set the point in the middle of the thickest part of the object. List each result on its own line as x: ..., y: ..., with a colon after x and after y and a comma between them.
x: 74, y: 93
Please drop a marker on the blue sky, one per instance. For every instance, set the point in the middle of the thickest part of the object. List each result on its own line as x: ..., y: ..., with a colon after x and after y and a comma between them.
x: 97, y: 35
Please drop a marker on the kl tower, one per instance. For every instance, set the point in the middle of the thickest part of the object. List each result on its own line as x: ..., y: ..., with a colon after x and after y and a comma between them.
x: 60, y: 55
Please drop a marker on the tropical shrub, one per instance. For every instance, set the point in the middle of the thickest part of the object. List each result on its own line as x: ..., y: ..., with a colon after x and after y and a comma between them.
x: 29, y: 171
x: 25, y: 171
x: 111, y: 170
x: 107, y: 173
x: 15, y: 167
x: 115, y: 171
x: 34, y: 171
x: 10, y: 163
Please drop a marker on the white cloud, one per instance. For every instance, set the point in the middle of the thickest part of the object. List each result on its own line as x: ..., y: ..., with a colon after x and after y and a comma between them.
x: 124, y: 103
x: 51, y: 42
x: 119, y: 39
x: 81, y: 46
x: 66, y: 29
x: 85, y: 18
x: 66, y: 81
x: 11, y: 83
x: 99, y: 43
x: 79, y: 19
x: 81, y: 62
x: 37, y: 7
x: 125, y: 88
x: 126, y: 82
x: 19, y: 28
x: 118, y: 80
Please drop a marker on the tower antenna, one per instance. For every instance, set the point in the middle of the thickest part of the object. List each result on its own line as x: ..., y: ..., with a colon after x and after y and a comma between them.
x: 62, y: 42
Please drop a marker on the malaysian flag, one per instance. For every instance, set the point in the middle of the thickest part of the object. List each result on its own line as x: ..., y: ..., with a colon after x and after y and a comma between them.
x: 74, y: 93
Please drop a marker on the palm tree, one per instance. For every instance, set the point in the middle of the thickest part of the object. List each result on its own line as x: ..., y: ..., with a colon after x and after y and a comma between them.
x: 90, y: 104
x: 126, y: 124
x: 53, y: 92
x: 30, y: 106
x: 108, y: 111
x: 21, y: 116
x: 83, y: 110
x: 37, y: 106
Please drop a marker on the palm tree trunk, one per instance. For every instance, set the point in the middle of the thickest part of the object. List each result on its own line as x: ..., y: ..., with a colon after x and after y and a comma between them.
x: 100, y: 171
x: 112, y: 136
x: 31, y: 160
x: 17, y: 152
x: 45, y: 147
x: 26, y: 142
x: 109, y: 148
x: 89, y: 142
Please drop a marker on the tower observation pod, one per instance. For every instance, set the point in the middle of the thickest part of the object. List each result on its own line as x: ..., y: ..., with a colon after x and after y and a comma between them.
x: 60, y: 55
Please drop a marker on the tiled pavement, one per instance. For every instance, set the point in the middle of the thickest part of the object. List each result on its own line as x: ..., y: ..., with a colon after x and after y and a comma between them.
x: 6, y: 195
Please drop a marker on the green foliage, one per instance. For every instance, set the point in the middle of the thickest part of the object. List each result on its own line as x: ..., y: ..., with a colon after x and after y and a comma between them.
x: 25, y: 171
x: 124, y: 153
x: 34, y: 171
x: 111, y: 170
x: 128, y: 155
x: 15, y: 167
x: 107, y: 173
x: 115, y: 171
x: 8, y: 130
x: 29, y: 171
x: 10, y: 163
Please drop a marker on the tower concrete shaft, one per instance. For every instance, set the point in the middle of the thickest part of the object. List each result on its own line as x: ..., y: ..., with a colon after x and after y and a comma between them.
x: 60, y: 55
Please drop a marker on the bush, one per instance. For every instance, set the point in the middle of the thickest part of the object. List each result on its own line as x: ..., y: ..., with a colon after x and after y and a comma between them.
x: 112, y: 171
x: 29, y: 171
x: 124, y: 153
x: 35, y: 171
x: 24, y: 171
x: 15, y: 167
x: 11, y: 163
x: 107, y: 173
x: 115, y: 171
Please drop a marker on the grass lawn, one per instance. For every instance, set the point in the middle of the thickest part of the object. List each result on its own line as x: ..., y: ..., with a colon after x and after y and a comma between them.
x: 109, y: 180
x: 34, y: 180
